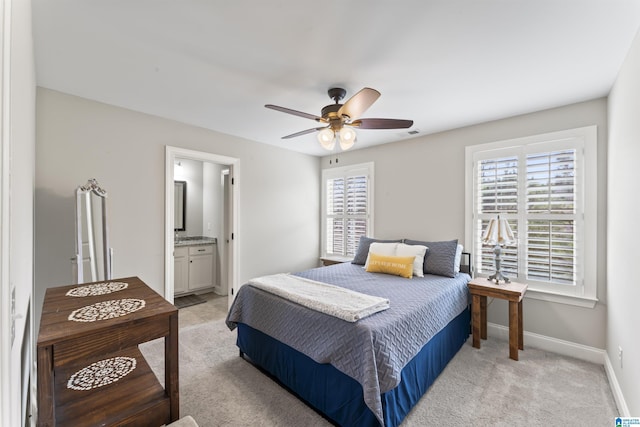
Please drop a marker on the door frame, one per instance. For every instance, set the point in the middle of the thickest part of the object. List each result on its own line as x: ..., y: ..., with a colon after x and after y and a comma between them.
x: 171, y: 154
x: 7, y: 362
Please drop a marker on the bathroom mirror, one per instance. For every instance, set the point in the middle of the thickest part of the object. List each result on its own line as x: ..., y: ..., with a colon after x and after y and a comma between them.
x: 180, y: 205
x: 93, y: 254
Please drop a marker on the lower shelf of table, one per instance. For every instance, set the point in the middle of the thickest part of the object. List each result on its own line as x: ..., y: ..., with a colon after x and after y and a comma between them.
x: 136, y: 399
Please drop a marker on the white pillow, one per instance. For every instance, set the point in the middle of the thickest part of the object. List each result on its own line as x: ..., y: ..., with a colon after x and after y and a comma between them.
x: 457, y: 259
x: 378, y: 248
x: 416, y: 251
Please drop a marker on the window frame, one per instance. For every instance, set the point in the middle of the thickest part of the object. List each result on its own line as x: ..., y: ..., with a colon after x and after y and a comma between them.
x: 344, y: 172
x: 584, y: 140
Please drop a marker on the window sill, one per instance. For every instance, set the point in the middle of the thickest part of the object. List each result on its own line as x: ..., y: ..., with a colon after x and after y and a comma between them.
x: 579, y: 301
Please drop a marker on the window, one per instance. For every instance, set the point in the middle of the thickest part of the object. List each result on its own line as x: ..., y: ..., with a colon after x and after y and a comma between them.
x: 346, y: 208
x: 539, y: 185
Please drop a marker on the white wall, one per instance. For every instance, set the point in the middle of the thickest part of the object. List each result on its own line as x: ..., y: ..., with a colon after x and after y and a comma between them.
x: 17, y: 180
x: 420, y: 194
x: 124, y: 150
x: 623, y: 290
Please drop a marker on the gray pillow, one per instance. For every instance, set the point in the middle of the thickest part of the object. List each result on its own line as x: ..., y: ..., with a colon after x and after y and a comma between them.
x: 440, y: 258
x: 363, y: 248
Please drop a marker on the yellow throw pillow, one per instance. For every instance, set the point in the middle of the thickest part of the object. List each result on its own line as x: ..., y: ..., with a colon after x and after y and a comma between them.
x: 398, y: 265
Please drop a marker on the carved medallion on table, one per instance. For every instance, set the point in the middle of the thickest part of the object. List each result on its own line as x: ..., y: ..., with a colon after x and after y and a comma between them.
x: 97, y: 289
x: 101, y: 373
x: 105, y: 310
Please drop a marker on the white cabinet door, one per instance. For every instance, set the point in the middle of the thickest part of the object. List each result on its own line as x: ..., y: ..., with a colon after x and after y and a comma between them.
x: 200, y: 271
x: 200, y: 267
x: 194, y: 268
x: 180, y: 270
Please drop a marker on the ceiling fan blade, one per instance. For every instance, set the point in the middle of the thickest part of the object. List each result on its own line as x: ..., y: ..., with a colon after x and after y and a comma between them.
x: 295, y: 112
x: 359, y: 103
x: 302, y: 132
x: 382, y: 123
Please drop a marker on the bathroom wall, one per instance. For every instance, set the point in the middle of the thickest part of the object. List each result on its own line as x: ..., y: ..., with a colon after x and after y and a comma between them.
x: 205, y: 208
x: 212, y: 200
x: 213, y: 206
x: 205, y: 201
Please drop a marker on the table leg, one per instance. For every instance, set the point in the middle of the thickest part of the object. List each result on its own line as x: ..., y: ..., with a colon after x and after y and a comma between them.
x: 514, y: 329
x: 483, y: 317
x: 46, y: 393
x: 171, y: 367
x: 520, y: 327
x: 475, y: 320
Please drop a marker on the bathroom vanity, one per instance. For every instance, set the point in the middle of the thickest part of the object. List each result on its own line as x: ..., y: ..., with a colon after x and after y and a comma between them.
x: 194, y: 265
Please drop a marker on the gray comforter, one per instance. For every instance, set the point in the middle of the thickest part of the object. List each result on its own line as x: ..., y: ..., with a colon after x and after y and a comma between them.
x: 373, y: 350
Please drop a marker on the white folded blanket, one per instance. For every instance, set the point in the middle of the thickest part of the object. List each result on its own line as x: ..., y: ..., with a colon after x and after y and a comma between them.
x: 339, y: 302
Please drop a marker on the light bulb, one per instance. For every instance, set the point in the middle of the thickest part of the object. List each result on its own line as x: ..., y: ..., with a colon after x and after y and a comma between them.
x: 327, y: 139
x: 347, y: 138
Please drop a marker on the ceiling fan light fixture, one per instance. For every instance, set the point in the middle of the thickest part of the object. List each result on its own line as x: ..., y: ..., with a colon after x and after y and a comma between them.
x: 339, y: 119
x: 347, y: 138
x: 327, y: 138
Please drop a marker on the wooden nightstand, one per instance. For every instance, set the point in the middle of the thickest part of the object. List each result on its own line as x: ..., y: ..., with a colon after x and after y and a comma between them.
x: 480, y: 289
x: 330, y: 260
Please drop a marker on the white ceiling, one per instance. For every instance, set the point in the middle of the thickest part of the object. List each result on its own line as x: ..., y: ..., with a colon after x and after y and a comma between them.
x: 442, y: 63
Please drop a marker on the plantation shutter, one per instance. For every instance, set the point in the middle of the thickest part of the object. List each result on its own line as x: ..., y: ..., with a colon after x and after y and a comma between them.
x: 536, y: 192
x: 347, y: 211
x: 356, y: 215
x: 551, y: 212
x: 335, y: 217
x: 497, y: 194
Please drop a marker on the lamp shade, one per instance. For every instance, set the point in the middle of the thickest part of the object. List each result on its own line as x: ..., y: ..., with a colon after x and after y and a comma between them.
x: 347, y: 138
x: 498, y: 232
x: 327, y: 138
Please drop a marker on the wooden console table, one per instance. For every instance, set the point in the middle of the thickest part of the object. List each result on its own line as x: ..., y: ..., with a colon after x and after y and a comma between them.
x: 481, y: 288
x: 90, y: 371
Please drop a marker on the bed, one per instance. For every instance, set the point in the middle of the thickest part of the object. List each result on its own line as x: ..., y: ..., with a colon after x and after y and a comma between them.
x: 371, y: 371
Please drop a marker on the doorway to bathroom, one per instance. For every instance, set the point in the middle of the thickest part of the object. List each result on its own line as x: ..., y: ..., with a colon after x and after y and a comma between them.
x: 201, y: 197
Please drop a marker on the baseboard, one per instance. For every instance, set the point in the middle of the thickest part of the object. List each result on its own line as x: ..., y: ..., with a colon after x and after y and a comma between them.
x: 615, y: 387
x: 554, y: 345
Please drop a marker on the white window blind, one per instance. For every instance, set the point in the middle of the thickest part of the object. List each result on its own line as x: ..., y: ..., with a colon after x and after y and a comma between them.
x: 547, y: 213
x: 497, y: 193
x: 346, y: 200
x: 552, y: 223
x: 538, y: 185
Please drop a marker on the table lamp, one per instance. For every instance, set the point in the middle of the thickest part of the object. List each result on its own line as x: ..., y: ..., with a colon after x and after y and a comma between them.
x: 498, y: 233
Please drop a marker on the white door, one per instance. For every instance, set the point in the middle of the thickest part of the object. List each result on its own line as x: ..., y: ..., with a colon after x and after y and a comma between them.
x: 200, y: 271
x: 181, y: 270
x: 223, y: 242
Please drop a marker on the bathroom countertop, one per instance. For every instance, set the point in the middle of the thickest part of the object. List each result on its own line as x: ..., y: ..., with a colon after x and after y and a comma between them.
x: 195, y: 241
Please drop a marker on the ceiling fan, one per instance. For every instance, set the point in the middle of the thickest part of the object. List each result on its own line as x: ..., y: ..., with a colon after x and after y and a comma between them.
x: 340, y: 119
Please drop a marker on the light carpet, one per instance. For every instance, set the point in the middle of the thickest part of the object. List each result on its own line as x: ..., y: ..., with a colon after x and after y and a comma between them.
x: 478, y: 388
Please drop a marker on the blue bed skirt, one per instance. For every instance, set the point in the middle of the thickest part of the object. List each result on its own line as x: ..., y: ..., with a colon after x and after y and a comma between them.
x: 338, y: 396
